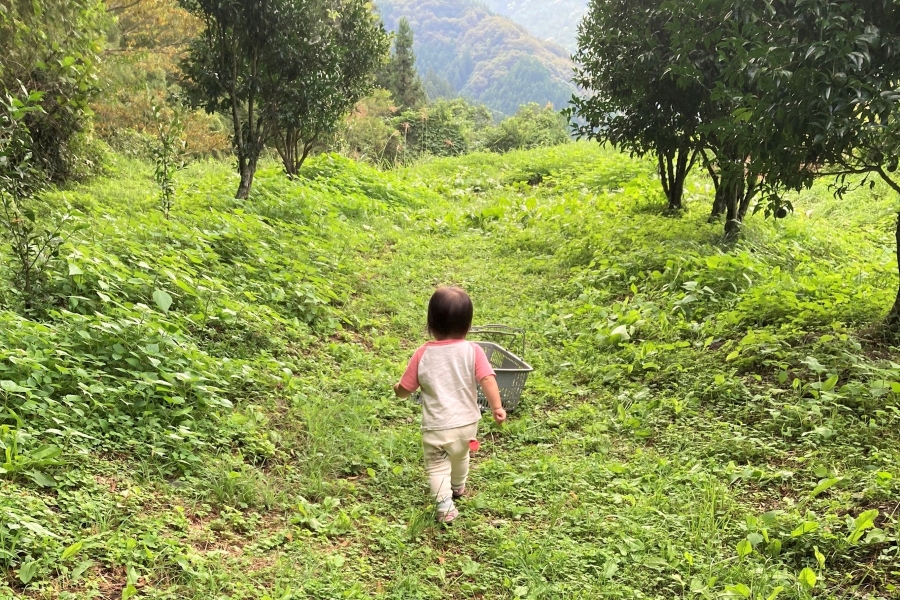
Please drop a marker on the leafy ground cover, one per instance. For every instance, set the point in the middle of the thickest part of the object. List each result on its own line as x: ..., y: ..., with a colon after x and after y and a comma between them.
x: 205, y: 409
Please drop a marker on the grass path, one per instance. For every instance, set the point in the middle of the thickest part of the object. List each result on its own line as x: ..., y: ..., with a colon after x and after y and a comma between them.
x: 565, y: 505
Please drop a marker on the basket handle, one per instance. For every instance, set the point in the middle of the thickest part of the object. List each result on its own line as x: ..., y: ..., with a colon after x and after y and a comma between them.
x: 498, y: 329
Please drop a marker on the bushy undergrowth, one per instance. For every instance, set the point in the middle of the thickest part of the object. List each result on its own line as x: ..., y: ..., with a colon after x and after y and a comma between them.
x: 202, y: 408
x: 157, y: 338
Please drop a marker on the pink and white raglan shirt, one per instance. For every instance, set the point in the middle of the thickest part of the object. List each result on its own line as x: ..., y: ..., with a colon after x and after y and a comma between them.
x: 448, y: 371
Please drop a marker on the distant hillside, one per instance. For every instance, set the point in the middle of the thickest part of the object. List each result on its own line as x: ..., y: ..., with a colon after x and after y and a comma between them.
x: 482, y: 55
x: 552, y: 20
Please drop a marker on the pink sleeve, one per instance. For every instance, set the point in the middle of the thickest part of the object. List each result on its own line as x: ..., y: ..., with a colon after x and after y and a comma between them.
x: 410, y: 379
x: 482, y: 366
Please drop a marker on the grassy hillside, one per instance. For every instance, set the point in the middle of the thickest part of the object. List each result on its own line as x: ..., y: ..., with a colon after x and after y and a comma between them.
x: 204, y: 411
x: 482, y: 55
x: 555, y: 21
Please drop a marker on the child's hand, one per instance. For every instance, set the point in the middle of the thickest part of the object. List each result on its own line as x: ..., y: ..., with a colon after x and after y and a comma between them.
x: 499, y: 415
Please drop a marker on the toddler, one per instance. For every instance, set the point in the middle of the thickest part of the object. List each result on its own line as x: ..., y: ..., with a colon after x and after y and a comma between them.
x: 449, y: 370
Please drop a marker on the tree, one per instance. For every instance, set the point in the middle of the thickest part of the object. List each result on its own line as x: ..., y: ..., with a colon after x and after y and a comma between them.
x: 330, y: 67
x: 824, y: 94
x: 233, y: 66
x: 708, y: 40
x: 437, y: 87
x: 282, y: 70
x: 400, y: 76
x: 51, y: 47
x: 634, y: 102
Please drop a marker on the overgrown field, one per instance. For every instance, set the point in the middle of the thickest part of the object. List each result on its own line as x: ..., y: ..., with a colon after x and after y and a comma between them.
x: 203, y: 408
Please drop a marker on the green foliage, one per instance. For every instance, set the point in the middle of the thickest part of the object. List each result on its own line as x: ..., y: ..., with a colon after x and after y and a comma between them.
x: 484, y: 57
x: 32, y: 237
x: 145, y: 42
x: 261, y: 64
x: 366, y: 134
x: 399, y: 75
x: 168, y: 154
x: 233, y: 68
x: 341, y: 39
x: 443, y: 128
x: 531, y: 127
x: 52, y: 47
x: 525, y: 81
x: 216, y: 388
x: 635, y: 102
x: 377, y: 134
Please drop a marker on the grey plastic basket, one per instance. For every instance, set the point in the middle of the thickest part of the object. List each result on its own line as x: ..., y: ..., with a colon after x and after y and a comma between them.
x: 511, y: 370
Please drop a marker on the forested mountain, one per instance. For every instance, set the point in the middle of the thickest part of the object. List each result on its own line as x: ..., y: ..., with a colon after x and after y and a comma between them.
x: 551, y: 20
x: 482, y: 55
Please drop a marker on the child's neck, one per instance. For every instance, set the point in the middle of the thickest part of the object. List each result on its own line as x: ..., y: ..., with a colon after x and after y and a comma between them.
x: 448, y: 338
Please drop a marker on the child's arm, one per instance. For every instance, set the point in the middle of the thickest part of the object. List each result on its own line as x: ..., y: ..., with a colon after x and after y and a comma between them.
x: 410, y: 380
x: 492, y: 393
x: 401, y: 391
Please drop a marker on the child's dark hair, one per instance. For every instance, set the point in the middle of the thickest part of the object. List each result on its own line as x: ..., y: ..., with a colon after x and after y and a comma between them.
x: 449, y: 313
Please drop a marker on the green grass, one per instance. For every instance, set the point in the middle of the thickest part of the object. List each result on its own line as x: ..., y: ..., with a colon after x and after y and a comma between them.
x: 702, y: 422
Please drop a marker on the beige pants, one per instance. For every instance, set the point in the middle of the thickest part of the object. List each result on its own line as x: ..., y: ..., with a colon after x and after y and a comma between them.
x: 447, y: 459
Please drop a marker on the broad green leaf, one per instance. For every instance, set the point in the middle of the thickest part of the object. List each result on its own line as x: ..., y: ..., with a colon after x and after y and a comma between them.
x: 72, y: 550
x: 45, y: 452
x: 864, y: 521
x: 739, y: 589
x: 744, y: 548
x: 470, y: 567
x: 806, y: 527
x: 775, y: 592
x: 163, y: 300
x: 824, y: 485
x: 81, y: 567
x: 12, y: 387
x: 820, y: 558
x: 27, y: 571
x: 808, y: 578
x: 129, y: 592
x: 38, y: 529
x: 620, y: 334
x: 41, y: 478
x: 74, y: 270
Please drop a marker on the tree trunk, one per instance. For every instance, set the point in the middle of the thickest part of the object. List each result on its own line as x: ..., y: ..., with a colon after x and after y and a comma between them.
x: 307, y: 148
x: 892, y: 322
x: 748, y: 196
x: 673, y: 170
x: 719, y: 205
x: 287, y: 149
x: 247, y: 171
x: 732, y: 192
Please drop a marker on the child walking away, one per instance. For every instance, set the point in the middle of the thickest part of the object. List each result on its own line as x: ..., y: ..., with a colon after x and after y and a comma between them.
x: 448, y: 370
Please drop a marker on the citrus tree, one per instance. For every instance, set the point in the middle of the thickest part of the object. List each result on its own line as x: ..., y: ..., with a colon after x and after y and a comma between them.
x: 337, y: 47
x: 283, y: 71
x: 633, y: 99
